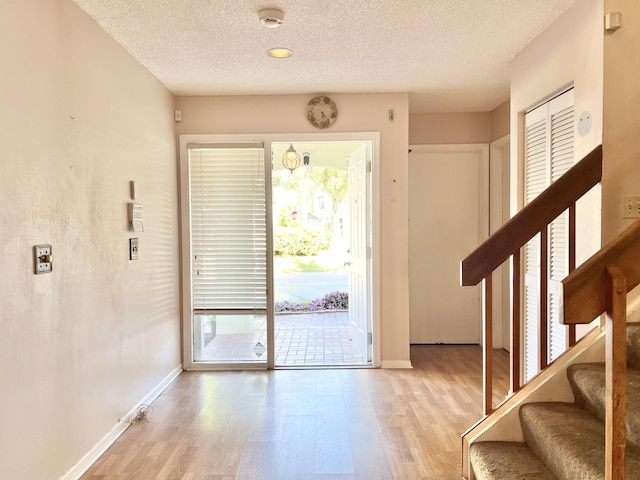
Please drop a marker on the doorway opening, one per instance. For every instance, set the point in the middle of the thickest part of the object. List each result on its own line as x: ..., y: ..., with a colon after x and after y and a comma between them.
x: 320, y: 299
x: 228, y: 221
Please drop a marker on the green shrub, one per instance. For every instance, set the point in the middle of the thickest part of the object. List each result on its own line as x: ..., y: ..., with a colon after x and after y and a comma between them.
x: 299, y: 242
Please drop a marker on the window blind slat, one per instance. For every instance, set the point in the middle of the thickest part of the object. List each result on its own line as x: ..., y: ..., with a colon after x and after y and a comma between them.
x: 228, y: 227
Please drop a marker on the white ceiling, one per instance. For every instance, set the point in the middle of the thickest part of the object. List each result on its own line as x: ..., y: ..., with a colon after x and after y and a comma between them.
x: 450, y: 55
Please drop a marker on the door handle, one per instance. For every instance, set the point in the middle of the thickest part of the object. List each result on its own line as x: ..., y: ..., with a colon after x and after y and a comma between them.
x: 346, y: 264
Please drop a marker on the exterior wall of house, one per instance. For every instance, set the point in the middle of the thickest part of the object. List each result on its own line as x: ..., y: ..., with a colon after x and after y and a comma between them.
x: 81, y: 346
x: 621, y: 175
x: 282, y: 114
x: 569, y: 53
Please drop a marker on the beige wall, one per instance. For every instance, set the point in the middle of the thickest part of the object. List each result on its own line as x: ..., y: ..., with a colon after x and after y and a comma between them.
x: 458, y: 128
x: 449, y: 128
x: 621, y: 148
x: 80, y: 347
x: 276, y: 114
x: 500, y: 120
x: 568, y: 53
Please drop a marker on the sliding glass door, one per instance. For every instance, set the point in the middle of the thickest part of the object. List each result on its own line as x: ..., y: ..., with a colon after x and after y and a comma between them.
x: 228, y: 279
x: 228, y: 253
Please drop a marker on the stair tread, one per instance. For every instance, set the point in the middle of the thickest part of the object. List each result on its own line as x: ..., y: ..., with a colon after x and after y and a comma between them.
x: 588, y: 385
x: 507, y: 461
x: 569, y: 440
x: 633, y: 344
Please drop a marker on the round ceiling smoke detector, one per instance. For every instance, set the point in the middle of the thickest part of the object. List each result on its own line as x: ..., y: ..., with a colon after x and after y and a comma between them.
x: 271, y: 17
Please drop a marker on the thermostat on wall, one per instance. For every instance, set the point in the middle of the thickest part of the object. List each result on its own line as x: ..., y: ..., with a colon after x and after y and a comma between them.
x: 135, y: 217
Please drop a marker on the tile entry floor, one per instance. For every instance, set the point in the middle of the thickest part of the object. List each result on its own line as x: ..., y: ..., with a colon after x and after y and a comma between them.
x: 300, y: 339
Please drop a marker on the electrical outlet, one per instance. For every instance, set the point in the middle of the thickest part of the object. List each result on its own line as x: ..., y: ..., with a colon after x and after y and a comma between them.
x: 133, y: 249
x: 631, y: 206
x: 42, y: 259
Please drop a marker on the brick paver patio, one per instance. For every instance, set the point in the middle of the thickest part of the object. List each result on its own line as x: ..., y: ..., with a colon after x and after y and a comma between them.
x: 300, y: 339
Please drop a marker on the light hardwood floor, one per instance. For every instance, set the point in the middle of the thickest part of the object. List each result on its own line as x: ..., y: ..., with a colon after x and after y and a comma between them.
x: 310, y: 424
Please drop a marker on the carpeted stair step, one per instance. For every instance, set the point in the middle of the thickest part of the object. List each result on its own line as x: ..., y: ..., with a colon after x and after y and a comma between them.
x: 588, y: 384
x: 565, y: 441
x: 507, y: 461
x: 570, y: 441
x: 633, y: 345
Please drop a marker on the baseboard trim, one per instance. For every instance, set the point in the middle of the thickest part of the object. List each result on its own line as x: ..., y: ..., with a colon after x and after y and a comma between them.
x: 396, y: 364
x: 75, y: 472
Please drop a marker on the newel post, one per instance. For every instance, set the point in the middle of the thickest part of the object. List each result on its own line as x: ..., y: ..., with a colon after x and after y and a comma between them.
x: 616, y: 374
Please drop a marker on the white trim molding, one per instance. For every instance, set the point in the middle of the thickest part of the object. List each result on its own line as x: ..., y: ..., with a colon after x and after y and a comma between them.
x: 75, y: 472
x: 396, y: 364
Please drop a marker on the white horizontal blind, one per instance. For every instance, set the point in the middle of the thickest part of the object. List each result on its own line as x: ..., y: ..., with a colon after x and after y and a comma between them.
x: 228, y: 227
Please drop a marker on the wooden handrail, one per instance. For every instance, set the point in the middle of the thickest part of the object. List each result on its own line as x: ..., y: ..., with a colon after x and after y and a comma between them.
x: 526, y: 224
x: 584, y: 290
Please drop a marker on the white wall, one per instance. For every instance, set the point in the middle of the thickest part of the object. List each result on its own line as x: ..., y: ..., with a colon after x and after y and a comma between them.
x: 81, y: 346
x: 282, y: 114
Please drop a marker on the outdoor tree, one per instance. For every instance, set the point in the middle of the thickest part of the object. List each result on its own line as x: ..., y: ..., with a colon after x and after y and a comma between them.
x: 335, y: 184
x: 304, y: 183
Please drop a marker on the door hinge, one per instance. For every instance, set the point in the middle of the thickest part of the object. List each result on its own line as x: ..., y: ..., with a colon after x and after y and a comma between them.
x: 369, y: 166
x: 368, y: 252
x: 370, y: 338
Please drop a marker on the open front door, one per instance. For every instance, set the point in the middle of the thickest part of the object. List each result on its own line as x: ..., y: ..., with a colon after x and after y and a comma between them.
x: 359, y: 257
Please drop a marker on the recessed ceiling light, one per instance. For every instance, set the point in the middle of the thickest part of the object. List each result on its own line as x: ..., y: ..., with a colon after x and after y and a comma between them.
x: 279, y: 52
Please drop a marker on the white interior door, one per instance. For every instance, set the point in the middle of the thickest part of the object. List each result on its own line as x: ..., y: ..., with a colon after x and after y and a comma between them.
x: 447, y: 221
x: 358, y: 251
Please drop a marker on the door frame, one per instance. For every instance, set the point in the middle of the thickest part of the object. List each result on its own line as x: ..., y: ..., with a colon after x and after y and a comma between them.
x: 185, y: 256
x: 499, y: 165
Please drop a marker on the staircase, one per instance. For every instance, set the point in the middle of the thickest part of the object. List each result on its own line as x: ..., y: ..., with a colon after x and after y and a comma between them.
x: 566, y: 441
x: 595, y: 437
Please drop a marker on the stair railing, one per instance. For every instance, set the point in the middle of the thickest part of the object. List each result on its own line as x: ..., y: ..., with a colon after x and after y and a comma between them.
x: 507, y: 242
x: 598, y: 286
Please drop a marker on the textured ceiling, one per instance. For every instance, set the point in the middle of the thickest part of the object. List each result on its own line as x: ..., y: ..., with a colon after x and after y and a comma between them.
x: 450, y: 55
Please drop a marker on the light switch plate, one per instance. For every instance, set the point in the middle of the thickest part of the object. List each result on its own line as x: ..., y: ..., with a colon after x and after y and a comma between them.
x: 631, y: 206
x: 133, y: 249
x: 43, y: 259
